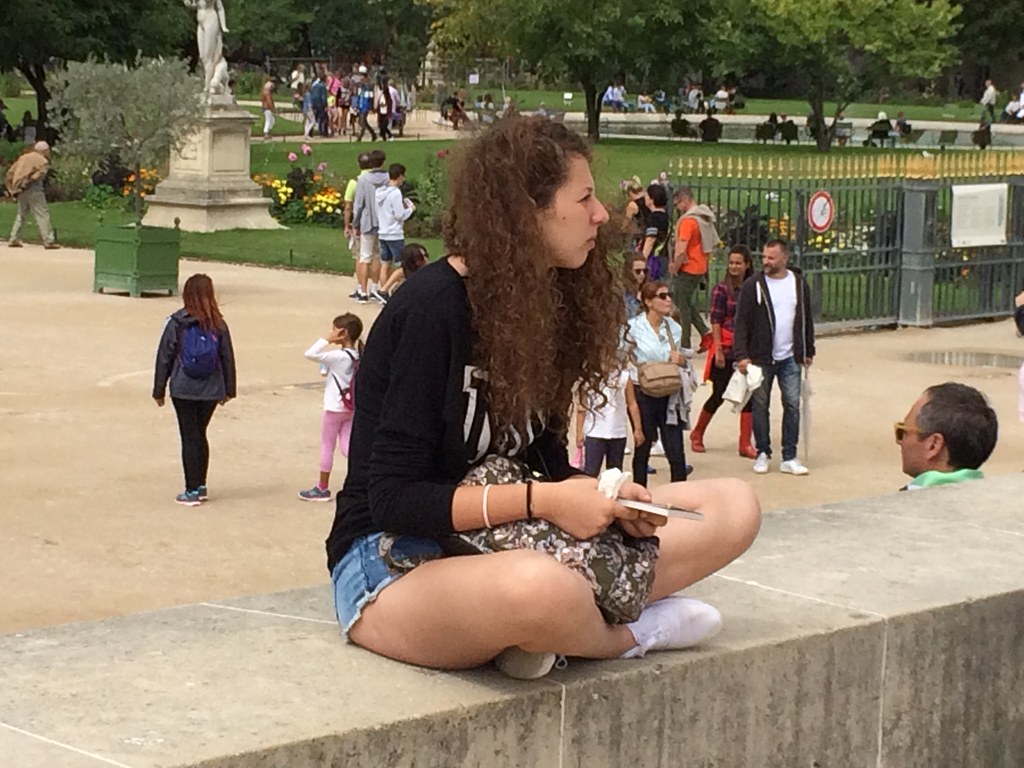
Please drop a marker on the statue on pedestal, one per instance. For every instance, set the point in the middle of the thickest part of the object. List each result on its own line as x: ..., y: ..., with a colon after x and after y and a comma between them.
x: 210, y: 24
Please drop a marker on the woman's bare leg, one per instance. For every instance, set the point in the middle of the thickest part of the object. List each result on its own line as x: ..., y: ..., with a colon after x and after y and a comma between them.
x: 691, y: 549
x: 460, y: 612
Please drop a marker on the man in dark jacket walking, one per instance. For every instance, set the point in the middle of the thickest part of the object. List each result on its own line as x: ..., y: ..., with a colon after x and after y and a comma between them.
x: 774, y: 331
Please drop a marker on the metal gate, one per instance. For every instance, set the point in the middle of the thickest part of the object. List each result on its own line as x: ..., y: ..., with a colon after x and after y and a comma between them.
x: 876, y: 264
x: 853, y: 267
x: 981, y: 282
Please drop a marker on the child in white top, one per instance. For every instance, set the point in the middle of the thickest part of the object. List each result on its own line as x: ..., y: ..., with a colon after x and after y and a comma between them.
x: 342, y: 365
x: 602, y: 429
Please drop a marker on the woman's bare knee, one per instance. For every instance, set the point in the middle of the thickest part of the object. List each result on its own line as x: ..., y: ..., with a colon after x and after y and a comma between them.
x: 491, y: 602
x: 537, y: 590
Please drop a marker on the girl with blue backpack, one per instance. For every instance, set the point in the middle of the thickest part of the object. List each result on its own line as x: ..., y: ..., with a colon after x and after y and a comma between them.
x: 339, y: 395
x: 196, y: 357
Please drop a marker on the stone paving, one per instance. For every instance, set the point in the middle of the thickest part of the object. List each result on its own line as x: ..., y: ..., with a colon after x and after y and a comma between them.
x: 90, y: 465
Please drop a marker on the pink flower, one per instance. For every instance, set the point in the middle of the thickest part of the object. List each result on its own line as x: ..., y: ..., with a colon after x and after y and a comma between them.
x: 306, y: 149
x: 292, y: 157
x: 322, y: 167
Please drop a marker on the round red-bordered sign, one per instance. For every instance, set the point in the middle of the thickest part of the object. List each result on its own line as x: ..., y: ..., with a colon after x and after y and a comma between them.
x: 821, y: 211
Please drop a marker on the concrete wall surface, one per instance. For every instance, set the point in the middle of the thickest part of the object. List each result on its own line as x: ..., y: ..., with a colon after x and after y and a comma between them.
x: 878, y: 632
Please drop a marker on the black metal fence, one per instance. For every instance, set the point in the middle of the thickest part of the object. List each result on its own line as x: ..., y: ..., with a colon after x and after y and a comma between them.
x: 855, y: 266
x: 980, y: 282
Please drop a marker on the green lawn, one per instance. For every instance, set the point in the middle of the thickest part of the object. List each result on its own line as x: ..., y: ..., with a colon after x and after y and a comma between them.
x: 282, y: 125
x: 17, y: 106
x: 340, y: 156
x: 314, y: 247
x: 614, y: 159
x: 303, y: 247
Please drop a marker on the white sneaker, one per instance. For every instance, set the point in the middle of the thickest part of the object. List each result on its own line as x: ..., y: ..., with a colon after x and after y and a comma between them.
x: 761, y: 464
x: 523, y: 665
x: 792, y: 467
x: 673, y: 623
x: 657, y: 449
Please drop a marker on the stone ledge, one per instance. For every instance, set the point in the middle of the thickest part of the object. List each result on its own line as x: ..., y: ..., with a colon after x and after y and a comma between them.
x: 880, y: 631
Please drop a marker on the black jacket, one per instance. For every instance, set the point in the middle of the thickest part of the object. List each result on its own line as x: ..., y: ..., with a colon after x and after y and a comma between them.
x: 1019, y: 319
x: 755, y: 321
x: 168, y: 365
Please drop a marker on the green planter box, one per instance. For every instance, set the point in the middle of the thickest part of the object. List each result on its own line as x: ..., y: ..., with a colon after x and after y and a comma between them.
x: 136, y: 260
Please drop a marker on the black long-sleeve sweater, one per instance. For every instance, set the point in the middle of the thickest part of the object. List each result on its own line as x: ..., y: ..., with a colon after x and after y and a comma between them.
x: 421, y: 417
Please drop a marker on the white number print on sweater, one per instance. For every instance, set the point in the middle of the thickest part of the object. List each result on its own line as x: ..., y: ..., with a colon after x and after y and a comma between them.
x: 477, y: 430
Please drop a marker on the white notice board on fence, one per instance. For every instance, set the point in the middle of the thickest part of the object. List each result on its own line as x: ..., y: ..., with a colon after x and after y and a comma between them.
x: 979, y: 215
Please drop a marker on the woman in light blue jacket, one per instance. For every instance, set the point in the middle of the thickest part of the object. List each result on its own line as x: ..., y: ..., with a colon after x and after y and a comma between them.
x: 649, y: 332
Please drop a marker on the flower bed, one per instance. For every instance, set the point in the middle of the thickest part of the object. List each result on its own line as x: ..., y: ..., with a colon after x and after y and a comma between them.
x: 309, y: 194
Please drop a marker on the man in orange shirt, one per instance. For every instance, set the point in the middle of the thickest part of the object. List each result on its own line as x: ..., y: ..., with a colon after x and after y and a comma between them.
x: 696, y: 237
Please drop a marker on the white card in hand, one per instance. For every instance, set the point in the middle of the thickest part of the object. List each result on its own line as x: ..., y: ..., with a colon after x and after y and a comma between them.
x: 662, y: 510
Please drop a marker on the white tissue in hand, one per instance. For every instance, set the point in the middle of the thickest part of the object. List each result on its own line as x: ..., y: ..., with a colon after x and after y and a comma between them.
x: 611, y: 481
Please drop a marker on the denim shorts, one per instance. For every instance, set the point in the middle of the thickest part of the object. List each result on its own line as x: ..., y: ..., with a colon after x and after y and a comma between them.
x: 362, y: 573
x: 391, y: 251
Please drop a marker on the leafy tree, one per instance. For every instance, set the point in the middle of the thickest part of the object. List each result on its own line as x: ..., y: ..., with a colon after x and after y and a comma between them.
x: 384, y: 31
x: 990, y: 43
x: 393, y: 32
x: 35, y: 35
x: 842, y: 46
x: 259, y: 28
x: 593, y: 46
x: 138, y: 113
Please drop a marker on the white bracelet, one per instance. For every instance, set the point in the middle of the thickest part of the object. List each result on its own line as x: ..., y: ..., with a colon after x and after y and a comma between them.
x: 487, y: 520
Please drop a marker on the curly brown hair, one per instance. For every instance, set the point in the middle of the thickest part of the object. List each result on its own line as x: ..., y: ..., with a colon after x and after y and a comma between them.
x: 538, y: 329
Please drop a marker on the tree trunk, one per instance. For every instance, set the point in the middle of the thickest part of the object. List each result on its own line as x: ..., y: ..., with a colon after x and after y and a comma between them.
x: 36, y: 76
x: 822, y: 135
x: 137, y: 192
x: 593, y: 106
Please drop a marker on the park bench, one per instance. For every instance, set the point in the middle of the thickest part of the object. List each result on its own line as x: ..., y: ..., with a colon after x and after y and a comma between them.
x: 844, y: 132
x: 831, y: 655
x: 912, y: 137
x: 764, y: 132
x: 947, y: 138
x: 484, y: 116
x: 788, y: 132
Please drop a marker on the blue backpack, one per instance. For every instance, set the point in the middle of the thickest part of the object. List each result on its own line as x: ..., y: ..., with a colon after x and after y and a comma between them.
x: 365, y: 96
x: 199, y: 352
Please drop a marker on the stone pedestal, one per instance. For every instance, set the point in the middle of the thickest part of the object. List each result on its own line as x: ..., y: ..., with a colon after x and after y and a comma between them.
x: 209, y: 187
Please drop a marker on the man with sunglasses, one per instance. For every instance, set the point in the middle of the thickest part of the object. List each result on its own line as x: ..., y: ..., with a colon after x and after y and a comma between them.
x: 947, y: 435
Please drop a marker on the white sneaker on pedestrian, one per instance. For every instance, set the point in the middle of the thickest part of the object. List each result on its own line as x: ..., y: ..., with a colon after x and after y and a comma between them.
x: 761, y: 464
x: 793, y: 467
x: 523, y: 665
x: 657, y: 449
x: 673, y: 623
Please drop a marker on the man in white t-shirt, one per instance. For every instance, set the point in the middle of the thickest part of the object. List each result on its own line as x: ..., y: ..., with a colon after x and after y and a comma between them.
x: 988, y: 101
x: 774, y: 330
x: 721, y: 100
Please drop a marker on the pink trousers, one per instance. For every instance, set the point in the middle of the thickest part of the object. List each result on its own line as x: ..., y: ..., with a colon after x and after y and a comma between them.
x: 335, y: 430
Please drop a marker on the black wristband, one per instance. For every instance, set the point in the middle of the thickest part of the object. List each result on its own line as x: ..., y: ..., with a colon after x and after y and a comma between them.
x: 529, y: 500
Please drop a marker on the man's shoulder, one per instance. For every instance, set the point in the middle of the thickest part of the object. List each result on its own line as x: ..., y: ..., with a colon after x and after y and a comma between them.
x: 690, y: 225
